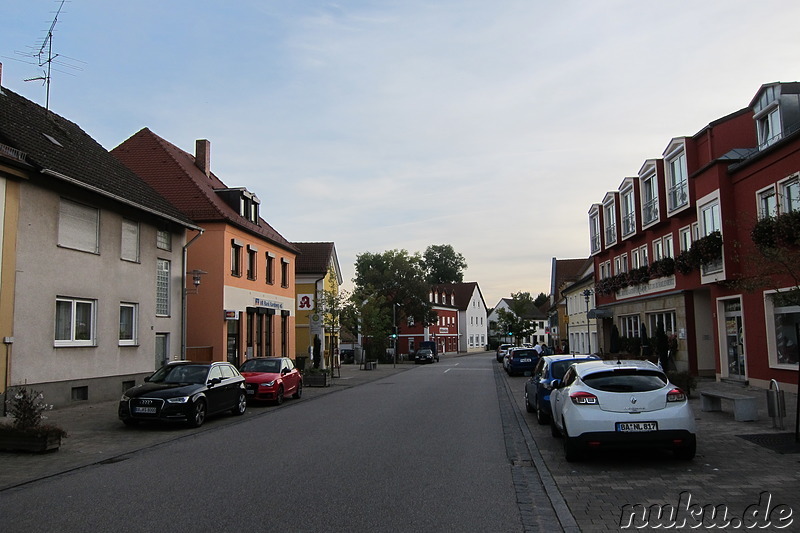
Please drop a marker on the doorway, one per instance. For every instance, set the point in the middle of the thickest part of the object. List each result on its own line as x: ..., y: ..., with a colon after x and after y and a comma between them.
x: 734, y: 339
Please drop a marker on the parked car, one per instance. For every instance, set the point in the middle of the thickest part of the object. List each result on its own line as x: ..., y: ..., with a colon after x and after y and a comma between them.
x: 520, y: 361
x: 271, y: 379
x: 538, y: 387
x: 430, y: 345
x: 185, y: 391
x: 621, y: 404
x: 425, y: 355
x: 501, y: 351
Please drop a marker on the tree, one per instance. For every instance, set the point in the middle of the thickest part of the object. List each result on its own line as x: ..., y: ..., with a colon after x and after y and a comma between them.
x: 518, y: 320
x: 540, y: 300
x: 333, y: 303
x: 399, y: 278
x: 443, y: 264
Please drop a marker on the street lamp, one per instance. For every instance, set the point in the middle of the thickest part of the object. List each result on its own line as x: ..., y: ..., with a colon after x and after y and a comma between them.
x: 586, y: 293
x: 394, y: 334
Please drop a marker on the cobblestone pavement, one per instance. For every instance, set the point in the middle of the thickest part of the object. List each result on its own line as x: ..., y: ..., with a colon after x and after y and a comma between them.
x: 728, y: 470
x: 96, y: 434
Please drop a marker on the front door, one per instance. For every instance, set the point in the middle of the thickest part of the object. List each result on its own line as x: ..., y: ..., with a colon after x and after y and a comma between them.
x: 734, y: 339
x: 233, y: 342
x: 162, y: 349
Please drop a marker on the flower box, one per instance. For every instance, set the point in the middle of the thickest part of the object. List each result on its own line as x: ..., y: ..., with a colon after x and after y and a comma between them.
x: 317, y: 379
x: 18, y: 441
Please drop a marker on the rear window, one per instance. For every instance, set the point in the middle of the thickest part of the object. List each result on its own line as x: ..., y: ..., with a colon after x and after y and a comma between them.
x: 627, y: 380
x: 525, y: 353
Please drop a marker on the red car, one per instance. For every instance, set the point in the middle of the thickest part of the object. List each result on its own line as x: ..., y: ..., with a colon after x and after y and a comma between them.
x: 271, y: 379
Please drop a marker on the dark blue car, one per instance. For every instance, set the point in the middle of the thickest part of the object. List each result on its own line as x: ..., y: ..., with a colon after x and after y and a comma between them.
x: 520, y: 361
x: 538, y: 387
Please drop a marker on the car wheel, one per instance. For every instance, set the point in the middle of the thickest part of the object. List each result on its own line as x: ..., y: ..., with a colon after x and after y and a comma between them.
x: 279, y: 396
x: 198, y: 414
x: 528, y: 407
x: 541, y: 416
x: 130, y: 422
x: 241, y: 404
x: 572, y: 451
x: 688, y: 451
x: 299, y: 391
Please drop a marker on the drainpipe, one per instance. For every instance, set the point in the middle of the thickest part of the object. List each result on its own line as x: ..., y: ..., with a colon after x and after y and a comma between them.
x: 317, y: 291
x: 183, y: 291
x: 7, y: 341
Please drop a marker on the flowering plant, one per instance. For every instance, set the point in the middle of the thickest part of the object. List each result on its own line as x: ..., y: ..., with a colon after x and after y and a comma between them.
x: 27, y: 408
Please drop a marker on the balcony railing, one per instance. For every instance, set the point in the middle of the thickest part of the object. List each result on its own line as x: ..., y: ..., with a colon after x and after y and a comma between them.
x: 650, y: 211
x: 678, y: 196
x: 628, y: 224
x: 611, y: 234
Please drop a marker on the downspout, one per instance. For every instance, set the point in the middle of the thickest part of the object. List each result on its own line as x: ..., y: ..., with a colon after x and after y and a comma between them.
x: 316, y: 310
x: 183, y: 290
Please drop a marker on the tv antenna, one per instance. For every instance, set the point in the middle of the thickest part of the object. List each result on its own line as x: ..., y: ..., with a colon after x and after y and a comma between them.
x: 45, y: 58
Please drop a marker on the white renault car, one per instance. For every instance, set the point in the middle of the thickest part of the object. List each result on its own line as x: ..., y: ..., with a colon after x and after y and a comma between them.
x: 621, y: 404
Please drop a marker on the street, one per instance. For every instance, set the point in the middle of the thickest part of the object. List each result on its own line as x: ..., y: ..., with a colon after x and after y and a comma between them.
x: 440, y: 447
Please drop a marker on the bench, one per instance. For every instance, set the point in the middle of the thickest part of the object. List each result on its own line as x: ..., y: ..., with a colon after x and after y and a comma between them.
x: 745, y: 408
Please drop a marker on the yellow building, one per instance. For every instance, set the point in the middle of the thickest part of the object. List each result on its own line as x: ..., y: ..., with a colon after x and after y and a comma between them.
x: 317, y: 273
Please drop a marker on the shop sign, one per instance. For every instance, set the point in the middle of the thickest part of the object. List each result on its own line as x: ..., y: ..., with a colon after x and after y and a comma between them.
x: 231, y: 315
x: 261, y: 302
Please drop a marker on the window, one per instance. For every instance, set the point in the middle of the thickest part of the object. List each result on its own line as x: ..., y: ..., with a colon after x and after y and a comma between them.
x: 236, y: 258
x: 643, y: 255
x: 669, y: 248
x: 782, y: 341
x: 767, y: 203
x: 658, y: 250
x: 284, y: 272
x: 629, y: 326
x: 130, y: 240
x: 710, y: 223
x: 635, y: 259
x: 163, y: 240
x: 768, y: 126
x: 162, y: 288
x: 623, y: 263
x: 74, y: 322
x: 628, y: 213
x: 677, y: 185
x: 270, y: 274
x: 790, y: 195
x: 667, y: 319
x: 649, y: 198
x: 128, y: 316
x: 78, y: 227
x: 605, y: 270
x: 251, y: 262
x: 611, y: 224
x: 685, y: 237
x: 594, y: 232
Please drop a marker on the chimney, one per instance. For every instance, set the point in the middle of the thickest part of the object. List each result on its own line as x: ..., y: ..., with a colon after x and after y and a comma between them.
x: 202, y: 156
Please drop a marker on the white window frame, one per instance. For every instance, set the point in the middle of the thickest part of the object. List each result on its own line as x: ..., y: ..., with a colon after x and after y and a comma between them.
x: 643, y: 255
x: 768, y: 125
x: 669, y: 246
x: 129, y: 242
x: 78, y: 227
x: 789, y: 194
x: 709, y: 220
x: 649, y: 184
x: 772, y: 341
x: 163, y: 287
x: 69, y: 337
x: 133, y: 338
x: 677, y: 178
x: 685, y: 238
x: 767, y: 202
x: 594, y: 231
x: 635, y: 260
x: 610, y: 219
x: 629, y: 326
x: 658, y: 250
x: 628, y: 213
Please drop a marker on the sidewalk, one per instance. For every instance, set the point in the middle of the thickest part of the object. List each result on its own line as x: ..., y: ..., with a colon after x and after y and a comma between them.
x: 96, y: 435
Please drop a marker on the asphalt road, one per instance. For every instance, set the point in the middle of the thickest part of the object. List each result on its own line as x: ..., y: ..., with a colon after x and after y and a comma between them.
x: 421, y: 450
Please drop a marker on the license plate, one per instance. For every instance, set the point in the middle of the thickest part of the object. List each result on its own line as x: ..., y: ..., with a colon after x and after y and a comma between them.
x: 635, y: 427
x: 525, y: 360
x: 250, y: 391
x: 145, y: 410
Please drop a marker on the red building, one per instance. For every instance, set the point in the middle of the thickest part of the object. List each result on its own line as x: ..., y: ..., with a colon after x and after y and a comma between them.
x: 444, y: 332
x: 656, y: 246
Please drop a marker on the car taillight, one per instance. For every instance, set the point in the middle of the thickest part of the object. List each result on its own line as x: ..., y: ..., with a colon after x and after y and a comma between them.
x: 676, y: 395
x: 583, y: 398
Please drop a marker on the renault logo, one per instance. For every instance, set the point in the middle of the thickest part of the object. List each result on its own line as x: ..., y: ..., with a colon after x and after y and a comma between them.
x: 633, y: 400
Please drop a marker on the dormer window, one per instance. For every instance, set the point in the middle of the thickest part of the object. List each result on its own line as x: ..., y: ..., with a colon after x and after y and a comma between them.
x: 610, y: 223
x: 768, y: 117
x: 243, y: 201
x: 649, y: 192
x: 628, y: 213
x: 594, y: 232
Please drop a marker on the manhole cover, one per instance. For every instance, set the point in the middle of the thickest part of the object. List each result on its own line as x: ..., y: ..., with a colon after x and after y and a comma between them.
x: 777, y: 442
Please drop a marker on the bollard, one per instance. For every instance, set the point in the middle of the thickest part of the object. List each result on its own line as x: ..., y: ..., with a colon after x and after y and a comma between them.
x: 776, y: 405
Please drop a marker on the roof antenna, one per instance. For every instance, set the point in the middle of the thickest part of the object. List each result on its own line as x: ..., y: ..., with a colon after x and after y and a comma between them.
x: 45, y: 58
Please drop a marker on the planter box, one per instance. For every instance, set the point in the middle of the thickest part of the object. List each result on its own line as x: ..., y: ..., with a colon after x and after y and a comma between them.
x: 317, y: 380
x: 10, y: 442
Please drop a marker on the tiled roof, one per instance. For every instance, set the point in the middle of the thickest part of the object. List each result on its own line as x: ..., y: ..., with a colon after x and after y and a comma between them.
x: 61, y: 150
x: 314, y: 258
x: 173, y: 173
x: 565, y: 270
x: 463, y: 293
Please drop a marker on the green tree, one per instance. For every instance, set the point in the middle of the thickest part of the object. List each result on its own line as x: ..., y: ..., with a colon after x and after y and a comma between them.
x: 518, y: 319
x: 443, y: 264
x: 399, y: 277
x: 375, y: 324
x: 540, y: 300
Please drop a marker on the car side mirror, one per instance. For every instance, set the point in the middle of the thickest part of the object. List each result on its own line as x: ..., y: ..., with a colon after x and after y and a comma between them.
x: 147, y: 379
x: 284, y: 371
x: 215, y: 381
x: 556, y: 383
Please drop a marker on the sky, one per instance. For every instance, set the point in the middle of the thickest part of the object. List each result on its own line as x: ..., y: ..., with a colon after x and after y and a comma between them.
x: 400, y: 124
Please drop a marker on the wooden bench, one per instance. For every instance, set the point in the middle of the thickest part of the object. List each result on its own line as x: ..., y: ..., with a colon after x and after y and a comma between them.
x: 745, y: 408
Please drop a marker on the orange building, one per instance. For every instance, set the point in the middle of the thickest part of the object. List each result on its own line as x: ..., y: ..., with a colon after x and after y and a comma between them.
x: 239, y: 299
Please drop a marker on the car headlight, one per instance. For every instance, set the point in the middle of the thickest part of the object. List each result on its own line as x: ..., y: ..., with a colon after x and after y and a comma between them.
x: 179, y: 399
x: 268, y: 383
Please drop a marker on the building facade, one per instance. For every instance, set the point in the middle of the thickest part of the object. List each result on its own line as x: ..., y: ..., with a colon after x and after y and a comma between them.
x: 91, y: 291
x: 473, y: 323
x: 673, y: 246
x: 242, y: 301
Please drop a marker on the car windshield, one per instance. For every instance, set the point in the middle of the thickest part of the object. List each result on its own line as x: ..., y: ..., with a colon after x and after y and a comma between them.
x: 626, y: 380
x: 262, y: 365
x: 180, y: 374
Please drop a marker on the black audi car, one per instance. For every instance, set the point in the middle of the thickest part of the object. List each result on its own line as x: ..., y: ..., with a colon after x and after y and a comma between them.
x: 185, y: 391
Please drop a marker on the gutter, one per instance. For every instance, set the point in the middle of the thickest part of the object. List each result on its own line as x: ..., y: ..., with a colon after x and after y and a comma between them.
x: 184, y: 254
